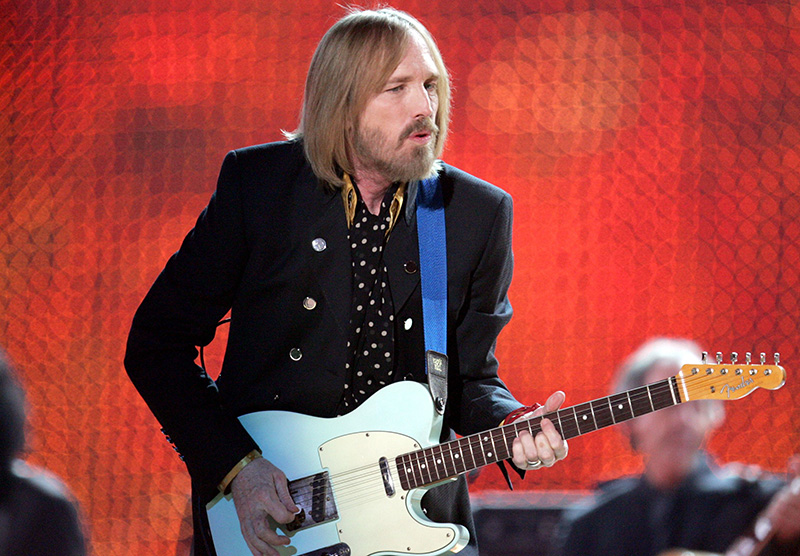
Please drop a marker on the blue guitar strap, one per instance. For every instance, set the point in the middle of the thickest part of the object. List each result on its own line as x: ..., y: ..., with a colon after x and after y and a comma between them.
x: 433, y: 277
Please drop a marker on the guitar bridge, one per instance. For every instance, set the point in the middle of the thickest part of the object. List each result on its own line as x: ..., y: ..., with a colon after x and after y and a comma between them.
x: 313, y: 496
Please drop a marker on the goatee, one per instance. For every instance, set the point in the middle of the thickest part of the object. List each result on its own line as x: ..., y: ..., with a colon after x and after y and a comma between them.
x: 372, y: 149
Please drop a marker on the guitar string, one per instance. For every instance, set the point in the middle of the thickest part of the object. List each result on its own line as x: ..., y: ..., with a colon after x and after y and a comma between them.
x: 364, y: 484
x: 697, y: 385
x: 496, y: 435
x: 423, y: 456
x: 355, y: 478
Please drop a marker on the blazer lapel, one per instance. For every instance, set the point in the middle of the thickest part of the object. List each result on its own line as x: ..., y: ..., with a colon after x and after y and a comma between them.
x: 332, y: 264
x: 327, y: 236
x: 401, y: 255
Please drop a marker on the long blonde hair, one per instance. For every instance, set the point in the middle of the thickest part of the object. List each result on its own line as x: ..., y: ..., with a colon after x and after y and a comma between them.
x: 352, y: 62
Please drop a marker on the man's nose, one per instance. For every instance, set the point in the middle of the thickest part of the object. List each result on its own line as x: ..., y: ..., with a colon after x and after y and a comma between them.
x: 424, y: 104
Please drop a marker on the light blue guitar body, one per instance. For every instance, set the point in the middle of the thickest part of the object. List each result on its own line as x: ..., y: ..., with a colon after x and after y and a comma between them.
x: 359, y: 507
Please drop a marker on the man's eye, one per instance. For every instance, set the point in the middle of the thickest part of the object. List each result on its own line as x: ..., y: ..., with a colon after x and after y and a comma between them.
x: 431, y: 86
x: 396, y: 89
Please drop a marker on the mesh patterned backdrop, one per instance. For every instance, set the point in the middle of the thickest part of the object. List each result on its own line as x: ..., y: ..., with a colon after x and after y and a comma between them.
x: 652, y: 150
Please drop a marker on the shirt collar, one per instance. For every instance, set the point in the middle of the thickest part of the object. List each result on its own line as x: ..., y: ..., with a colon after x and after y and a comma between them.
x: 350, y: 200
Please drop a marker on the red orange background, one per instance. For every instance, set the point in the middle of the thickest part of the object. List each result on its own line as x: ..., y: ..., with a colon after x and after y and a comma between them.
x: 652, y: 150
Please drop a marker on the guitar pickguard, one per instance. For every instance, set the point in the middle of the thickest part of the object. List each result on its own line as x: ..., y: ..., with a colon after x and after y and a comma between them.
x: 371, y: 521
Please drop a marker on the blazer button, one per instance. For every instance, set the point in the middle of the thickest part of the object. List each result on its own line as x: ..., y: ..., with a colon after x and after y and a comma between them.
x: 408, y: 323
x: 309, y: 303
x: 319, y: 244
x: 410, y: 267
x: 295, y: 354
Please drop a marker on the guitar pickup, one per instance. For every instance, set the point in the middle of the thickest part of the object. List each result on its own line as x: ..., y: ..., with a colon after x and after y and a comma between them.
x: 314, y: 496
x: 388, y: 483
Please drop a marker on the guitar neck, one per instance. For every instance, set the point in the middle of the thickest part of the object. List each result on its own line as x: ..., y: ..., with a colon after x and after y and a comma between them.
x: 466, y: 454
x: 694, y: 382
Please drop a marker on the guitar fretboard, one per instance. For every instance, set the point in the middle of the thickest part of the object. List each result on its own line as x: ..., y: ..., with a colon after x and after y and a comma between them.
x: 443, y: 461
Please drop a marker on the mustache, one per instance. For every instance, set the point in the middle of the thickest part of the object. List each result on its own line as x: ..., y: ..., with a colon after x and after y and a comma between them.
x: 421, y: 125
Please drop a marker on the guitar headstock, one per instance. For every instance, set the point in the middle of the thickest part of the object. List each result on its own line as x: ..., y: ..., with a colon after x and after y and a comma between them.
x: 728, y: 381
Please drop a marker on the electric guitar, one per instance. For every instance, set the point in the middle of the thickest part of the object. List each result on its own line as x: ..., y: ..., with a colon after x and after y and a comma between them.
x: 359, y: 478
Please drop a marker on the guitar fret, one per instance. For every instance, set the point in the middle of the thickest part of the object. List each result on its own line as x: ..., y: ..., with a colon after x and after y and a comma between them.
x: 401, y: 470
x: 594, y: 419
x: 649, y: 397
x: 454, y: 449
x: 620, y: 407
x: 420, y: 466
x: 445, y: 457
x: 456, y: 456
x: 463, y: 458
x: 482, y: 451
x: 603, y: 417
x: 487, y: 448
x: 505, y: 442
x: 582, y: 413
x: 451, y: 457
x: 408, y: 467
x: 436, y: 462
x: 415, y: 469
x: 503, y: 451
x: 661, y: 395
x: 577, y: 421
x: 676, y: 392
x: 434, y: 465
x: 428, y: 463
x: 671, y: 391
x: 472, y: 452
x: 493, y: 454
x: 444, y: 453
x: 460, y: 456
x: 512, y: 432
x: 570, y: 424
x: 640, y: 403
x: 611, y: 411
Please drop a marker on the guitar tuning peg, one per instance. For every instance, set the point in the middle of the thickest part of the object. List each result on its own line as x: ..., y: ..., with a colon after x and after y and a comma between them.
x: 763, y: 357
x: 777, y: 358
x: 734, y: 357
x: 719, y: 358
x: 703, y: 357
x: 747, y: 358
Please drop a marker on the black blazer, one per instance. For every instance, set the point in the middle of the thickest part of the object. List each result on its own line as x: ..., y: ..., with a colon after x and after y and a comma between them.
x: 272, y: 236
